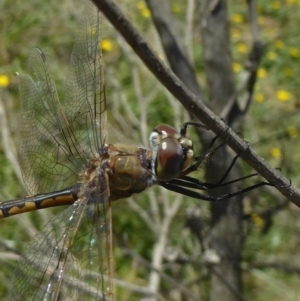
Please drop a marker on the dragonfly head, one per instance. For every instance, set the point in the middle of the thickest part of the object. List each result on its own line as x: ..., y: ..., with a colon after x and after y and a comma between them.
x: 172, y: 152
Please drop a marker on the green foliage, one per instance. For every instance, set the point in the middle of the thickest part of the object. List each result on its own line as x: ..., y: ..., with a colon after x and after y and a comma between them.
x: 272, y: 128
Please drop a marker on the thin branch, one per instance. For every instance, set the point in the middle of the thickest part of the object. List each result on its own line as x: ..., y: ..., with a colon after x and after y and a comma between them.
x: 142, y: 213
x: 281, y: 266
x: 168, y: 30
x: 193, y: 104
x: 162, y: 239
x: 253, y: 19
x: 163, y: 275
x: 228, y: 284
x: 9, y: 147
x: 188, y: 29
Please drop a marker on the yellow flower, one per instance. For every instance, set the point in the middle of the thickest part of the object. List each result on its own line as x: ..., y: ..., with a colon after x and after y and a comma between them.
x: 275, y: 152
x: 261, y: 20
x: 292, y: 131
x: 275, y: 4
x: 242, y: 48
x: 271, y: 55
x: 237, y: 18
x: 283, y: 95
x: 4, y: 80
x: 261, y: 73
x: 106, y: 45
x: 278, y: 44
x: 236, y: 33
x: 145, y: 13
x: 175, y: 8
x: 141, y: 5
x: 288, y: 72
x: 257, y: 220
x: 236, y: 67
x: 270, y: 30
x: 294, y: 52
x: 259, y: 98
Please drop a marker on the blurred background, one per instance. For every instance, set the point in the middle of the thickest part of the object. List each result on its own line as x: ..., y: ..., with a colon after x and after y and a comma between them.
x: 162, y: 239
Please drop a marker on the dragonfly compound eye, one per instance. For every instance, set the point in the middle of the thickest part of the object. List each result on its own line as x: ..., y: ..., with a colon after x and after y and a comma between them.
x: 172, y: 153
x: 169, y: 159
x: 165, y: 130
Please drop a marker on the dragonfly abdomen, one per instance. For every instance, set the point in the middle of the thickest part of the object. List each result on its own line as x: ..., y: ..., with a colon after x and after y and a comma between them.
x: 52, y: 199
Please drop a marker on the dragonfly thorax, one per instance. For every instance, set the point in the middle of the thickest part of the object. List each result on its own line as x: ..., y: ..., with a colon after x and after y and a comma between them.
x: 128, y: 169
x: 172, y: 152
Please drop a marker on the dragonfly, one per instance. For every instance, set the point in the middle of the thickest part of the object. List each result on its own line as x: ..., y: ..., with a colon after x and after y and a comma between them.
x: 64, y: 153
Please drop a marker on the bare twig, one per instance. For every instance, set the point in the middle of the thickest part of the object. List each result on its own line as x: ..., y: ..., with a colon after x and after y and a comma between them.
x: 9, y: 147
x: 251, y: 65
x: 282, y: 266
x: 178, y: 286
x: 188, y: 30
x: 193, y: 104
x: 161, y: 241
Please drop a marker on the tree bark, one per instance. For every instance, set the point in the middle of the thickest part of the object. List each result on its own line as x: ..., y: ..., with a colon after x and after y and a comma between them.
x: 226, y: 234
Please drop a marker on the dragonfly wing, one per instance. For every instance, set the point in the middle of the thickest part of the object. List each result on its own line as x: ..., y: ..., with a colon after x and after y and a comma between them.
x: 85, y: 103
x: 57, y: 137
x: 70, y: 259
x: 42, y: 151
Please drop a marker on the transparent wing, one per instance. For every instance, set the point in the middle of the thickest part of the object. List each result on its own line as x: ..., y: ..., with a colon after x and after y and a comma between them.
x: 57, y: 137
x: 70, y: 259
x: 85, y: 103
